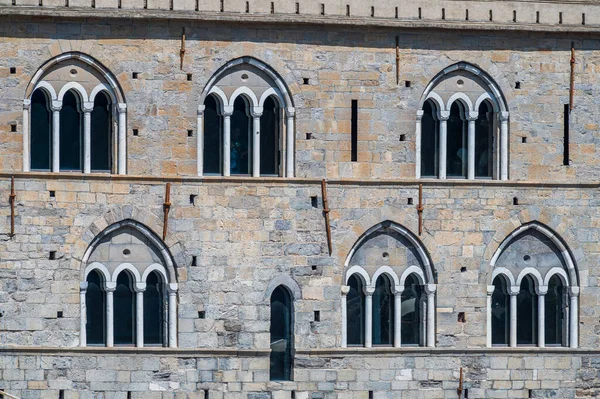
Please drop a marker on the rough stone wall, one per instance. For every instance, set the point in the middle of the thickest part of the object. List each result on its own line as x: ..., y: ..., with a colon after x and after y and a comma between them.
x: 342, y: 64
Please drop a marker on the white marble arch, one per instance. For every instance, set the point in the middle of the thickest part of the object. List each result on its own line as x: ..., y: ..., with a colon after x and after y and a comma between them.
x: 112, y: 87
x: 491, y: 91
x: 425, y: 275
x: 279, y: 90
x: 569, y: 278
x: 166, y: 271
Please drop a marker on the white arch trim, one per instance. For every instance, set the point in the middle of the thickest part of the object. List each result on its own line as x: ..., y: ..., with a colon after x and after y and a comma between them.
x: 46, y: 87
x: 219, y: 95
x: 437, y: 99
x: 129, y: 267
x: 271, y: 92
x: 361, y: 272
x: 462, y: 97
x: 98, y: 89
x: 532, y: 271
x: 246, y: 92
x: 412, y: 270
x: 557, y: 271
x: 387, y: 271
x: 550, y: 235
x: 73, y: 86
x: 155, y: 267
x: 506, y: 273
x: 98, y: 267
x: 486, y: 96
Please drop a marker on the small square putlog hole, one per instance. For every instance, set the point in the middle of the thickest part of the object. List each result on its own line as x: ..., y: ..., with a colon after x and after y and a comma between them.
x: 201, y: 314
x: 13, y: 127
x: 314, y: 201
x: 59, y: 314
x: 317, y: 315
x: 52, y: 255
x: 461, y: 317
x: 13, y: 70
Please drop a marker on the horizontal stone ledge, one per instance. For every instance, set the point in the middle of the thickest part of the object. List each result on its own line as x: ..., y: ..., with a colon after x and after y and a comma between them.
x: 124, y: 351
x: 282, y: 181
x: 421, y: 351
x: 293, y: 19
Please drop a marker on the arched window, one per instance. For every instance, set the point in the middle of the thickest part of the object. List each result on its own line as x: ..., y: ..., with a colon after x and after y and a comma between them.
x: 75, y: 130
x: 41, y: 131
x: 101, y: 134
x: 412, y: 312
x: 456, y: 144
x: 429, y: 141
x: 527, y: 313
x: 500, y: 312
x: 241, y: 153
x: 468, y: 103
x: 383, y: 312
x: 269, y: 138
x: 71, y: 134
x: 555, y: 312
x: 213, y: 141
x: 125, y: 309
x: 154, y: 310
x: 282, y: 335
x: 255, y: 108
x: 355, y: 300
x: 96, y: 310
x: 484, y: 141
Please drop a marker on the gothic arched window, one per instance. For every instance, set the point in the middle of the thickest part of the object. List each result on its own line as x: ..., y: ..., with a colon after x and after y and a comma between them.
x: 241, y: 153
x: 269, y: 138
x: 125, y: 309
x: 412, y: 312
x: 95, y: 299
x: 213, y: 141
x: 282, y: 335
x: 383, y: 312
x: 101, y: 134
x: 71, y: 133
x: 429, y: 141
x: 355, y: 300
x: 41, y: 131
x: 555, y: 312
x: 527, y: 319
x: 484, y: 141
x: 500, y: 312
x: 456, y: 144
x: 154, y: 310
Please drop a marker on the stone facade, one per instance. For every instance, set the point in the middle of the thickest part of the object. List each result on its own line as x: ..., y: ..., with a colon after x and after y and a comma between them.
x: 238, y: 235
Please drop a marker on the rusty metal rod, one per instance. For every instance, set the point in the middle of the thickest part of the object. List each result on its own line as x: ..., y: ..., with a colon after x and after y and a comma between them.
x: 572, y: 83
x: 182, y: 51
x: 326, y: 214
x: 166, y: 209
x: 12, y: 197
x: 420, y: 209
x: 397, y: 60
x: 460, y: 385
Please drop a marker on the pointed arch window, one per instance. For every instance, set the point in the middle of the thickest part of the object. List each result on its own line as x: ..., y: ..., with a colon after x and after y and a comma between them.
x: 281, y: 330
x: 75, y: 131
x: 154, y: 311
x: 255, y: 105
x: 500, y: 312
x: 96, y: 310
x: 556, y: 312
x: 383, y: 312
x: 125, y: 309
x: 469, y: 145
x: 355, y: 300
x: 412, y: 312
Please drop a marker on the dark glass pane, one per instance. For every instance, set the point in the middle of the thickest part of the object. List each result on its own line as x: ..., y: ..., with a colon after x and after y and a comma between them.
x: 212, y: 137
x: 240, y: 138
x: 124, y: 310
x: 154, y: 310
x: 383, y: 312
x: 500, y: 313
x: 456, y: 161
x: 429, y: 141
x: 412, y: 309
x: 355, y: 312
x: 96, y: 310
x: 41, y: 131
x: 101, y: 133
x: 555, y: 312
x: 281, y: 335
x: 527, y: 313
x: 484, y: 139
x: 70, y: 133
x: 269, y: 138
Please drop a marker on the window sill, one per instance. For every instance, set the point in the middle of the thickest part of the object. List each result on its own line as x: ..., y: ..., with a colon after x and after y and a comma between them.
x: 419, y: 350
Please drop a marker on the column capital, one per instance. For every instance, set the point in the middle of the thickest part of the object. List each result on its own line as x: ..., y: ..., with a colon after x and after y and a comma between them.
x: 430, y: 288
x: 503, y: 116
x: 88, y: 106
x: 121, y: 107
x: 256, y: 112
x: 201, y: 109
x: 110, y: 286
x: 172, y: 288
x: 420, y: 114
x: 83, y: 286
x: 541, y: 290
x: 139, y: 287
x: 398, y: 290
x: 490, y: 289
x: 290, y: 111
x: 472, y: 116
x: 443, y: 115
x: 514, y: 291
x: 369, y: 291
x: 345, y: 290
x: 26, y: 103
x: 227, y: 111
x: 56, y: 105
x: 573, y: 291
